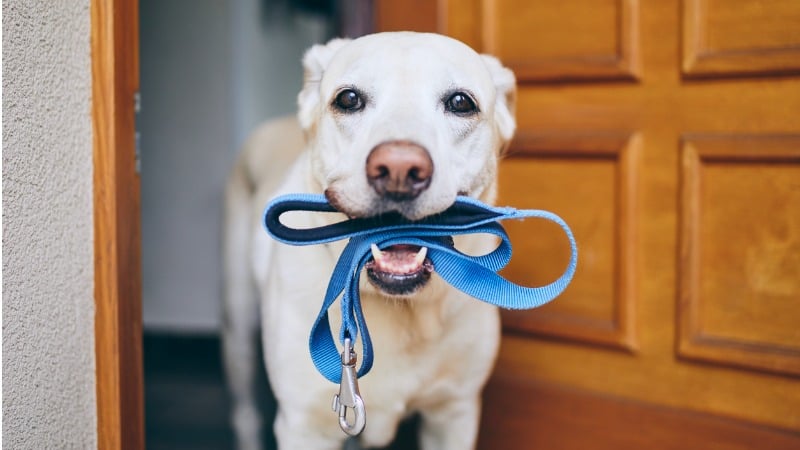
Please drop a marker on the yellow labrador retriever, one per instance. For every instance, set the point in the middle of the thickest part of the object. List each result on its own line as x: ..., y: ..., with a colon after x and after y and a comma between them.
x: 399, y: 122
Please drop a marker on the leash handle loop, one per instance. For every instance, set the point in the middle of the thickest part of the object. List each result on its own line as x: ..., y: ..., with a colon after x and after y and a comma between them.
x: 475, y: 275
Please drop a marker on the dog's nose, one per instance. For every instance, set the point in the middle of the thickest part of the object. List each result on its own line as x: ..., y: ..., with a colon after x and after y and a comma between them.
x: 399, y: 170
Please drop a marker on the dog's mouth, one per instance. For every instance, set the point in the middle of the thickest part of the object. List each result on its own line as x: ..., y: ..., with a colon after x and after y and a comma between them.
x: 399, y: 270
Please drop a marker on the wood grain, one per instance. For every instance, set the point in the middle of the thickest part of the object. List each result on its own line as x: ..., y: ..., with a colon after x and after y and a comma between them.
x: 595, y: 193
x: 740, y: 38
x: 662, y: 107
x: 118, y: 315
x: 740, y: 251
x: 579, y: 40
x: 576, y: 419
x: 410, y: 15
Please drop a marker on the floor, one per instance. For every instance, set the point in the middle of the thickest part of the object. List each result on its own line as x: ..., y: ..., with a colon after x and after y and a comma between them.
x: 186, y: 403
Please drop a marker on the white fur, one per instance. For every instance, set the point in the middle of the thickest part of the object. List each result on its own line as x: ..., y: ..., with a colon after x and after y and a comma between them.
x: 434, y: 349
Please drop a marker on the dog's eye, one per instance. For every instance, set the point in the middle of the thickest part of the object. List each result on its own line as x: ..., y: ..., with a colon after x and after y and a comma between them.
x: 460, y: 103
x: 348, y: 101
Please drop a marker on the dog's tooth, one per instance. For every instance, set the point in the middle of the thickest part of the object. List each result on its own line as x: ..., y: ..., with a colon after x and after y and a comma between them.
x: 420, y: 258
x: 377, y: 254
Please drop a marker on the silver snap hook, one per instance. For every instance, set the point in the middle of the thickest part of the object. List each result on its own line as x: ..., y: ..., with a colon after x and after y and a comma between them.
x: 348, y: 396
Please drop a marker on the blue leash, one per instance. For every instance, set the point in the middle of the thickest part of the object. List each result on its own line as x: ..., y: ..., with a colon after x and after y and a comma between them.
x: 475, y: 275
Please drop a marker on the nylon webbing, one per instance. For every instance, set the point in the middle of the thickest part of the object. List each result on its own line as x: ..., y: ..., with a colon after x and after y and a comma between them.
x: 475, y: 275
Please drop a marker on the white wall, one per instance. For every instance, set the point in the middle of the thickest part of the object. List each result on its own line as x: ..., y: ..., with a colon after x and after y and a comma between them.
x: 210, y: 72
x: 48, y: 255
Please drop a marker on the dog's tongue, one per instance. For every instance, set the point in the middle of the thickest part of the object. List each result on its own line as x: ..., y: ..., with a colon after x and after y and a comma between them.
x: 398, y: 259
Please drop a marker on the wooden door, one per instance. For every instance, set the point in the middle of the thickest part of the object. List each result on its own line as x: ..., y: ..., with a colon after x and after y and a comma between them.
x: 667, y: 134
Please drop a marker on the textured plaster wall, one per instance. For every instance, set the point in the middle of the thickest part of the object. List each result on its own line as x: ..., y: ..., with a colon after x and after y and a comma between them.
x: 48, y: 306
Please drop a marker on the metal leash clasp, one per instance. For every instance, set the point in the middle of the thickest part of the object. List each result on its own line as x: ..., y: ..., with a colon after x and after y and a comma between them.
x: 348, y: 396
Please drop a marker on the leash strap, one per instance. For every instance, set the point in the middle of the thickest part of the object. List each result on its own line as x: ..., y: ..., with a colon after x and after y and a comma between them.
x: 475, y: 275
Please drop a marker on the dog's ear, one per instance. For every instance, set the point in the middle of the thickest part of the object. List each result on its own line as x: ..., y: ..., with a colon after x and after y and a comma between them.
x: 315, y: 61
x: 506, y: 85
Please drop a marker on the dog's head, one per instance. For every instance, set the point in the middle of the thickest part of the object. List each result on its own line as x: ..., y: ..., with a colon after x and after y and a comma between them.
x: 404, y: 122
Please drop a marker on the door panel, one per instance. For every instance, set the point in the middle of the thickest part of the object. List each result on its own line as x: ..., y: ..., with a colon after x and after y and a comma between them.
x: 592, y: 40
x: 667, y: 134
x: 594, y: 194
x: 740, y: 259
x: 724, y: 38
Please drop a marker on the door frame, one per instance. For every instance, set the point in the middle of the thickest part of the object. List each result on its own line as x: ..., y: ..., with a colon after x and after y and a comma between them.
x: 117, y: 241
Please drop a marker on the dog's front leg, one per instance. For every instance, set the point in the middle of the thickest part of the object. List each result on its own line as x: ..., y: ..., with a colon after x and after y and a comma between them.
x: 451, y: 425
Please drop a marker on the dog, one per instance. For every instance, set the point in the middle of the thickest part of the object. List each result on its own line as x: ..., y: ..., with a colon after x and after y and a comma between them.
x: 390, y: 122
